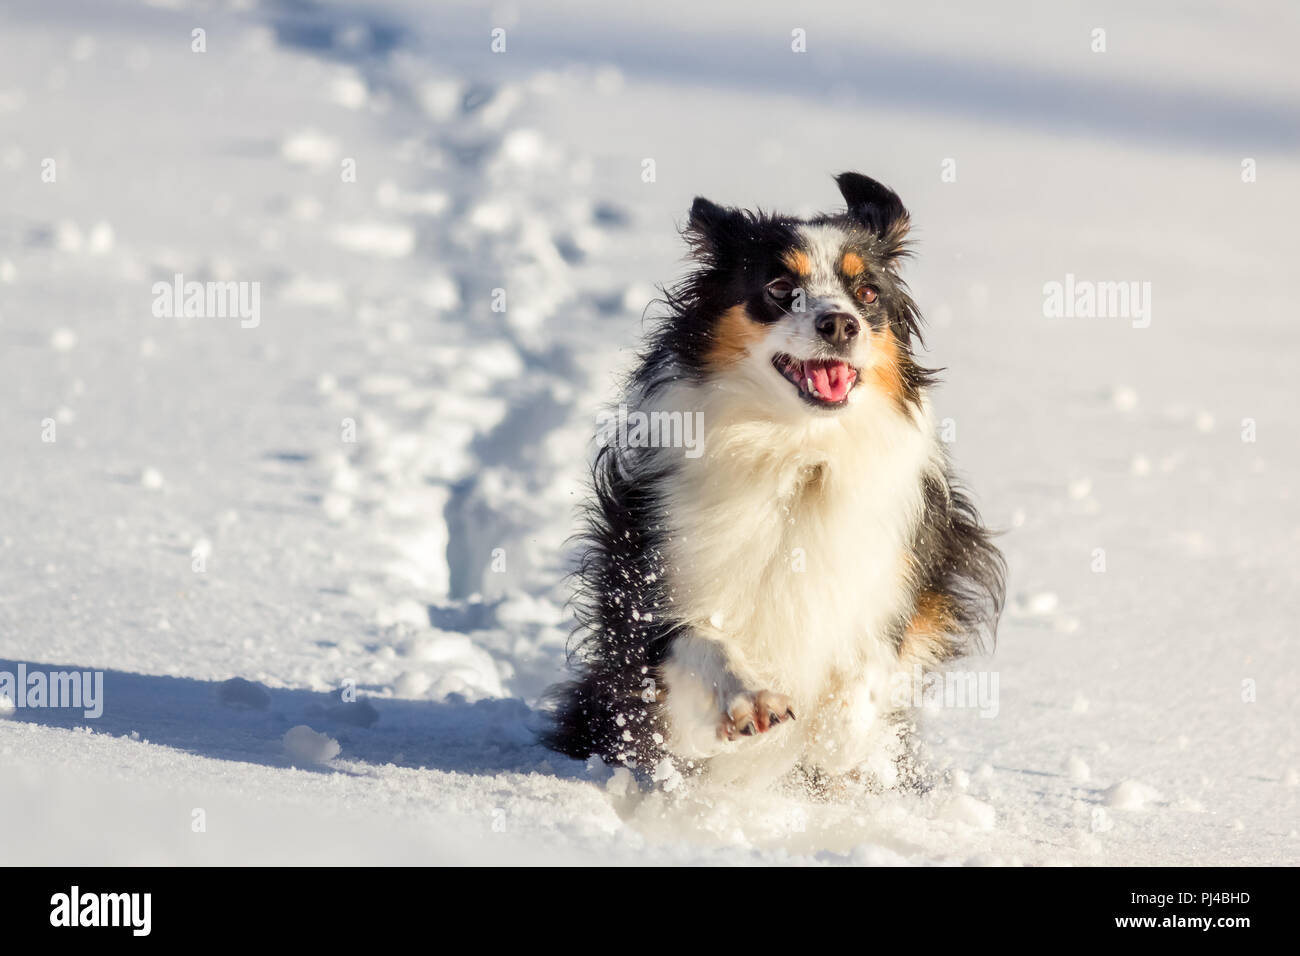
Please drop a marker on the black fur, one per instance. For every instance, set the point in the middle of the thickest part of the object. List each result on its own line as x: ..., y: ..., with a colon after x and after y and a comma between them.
x: 622, y: 611
x: 623, y: 608
x: 956, y: 558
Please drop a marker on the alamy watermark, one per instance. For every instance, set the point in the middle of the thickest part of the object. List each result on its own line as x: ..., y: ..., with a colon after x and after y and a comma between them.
x: 631, y: 428
x: 209, y: 300
x: 130, y: 910
x: 82, y: 690
x: 976, y: 690
x: 1085, y: 299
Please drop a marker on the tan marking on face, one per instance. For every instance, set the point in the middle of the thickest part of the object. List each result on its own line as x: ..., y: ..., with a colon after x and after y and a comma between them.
x: 733, y: 336
x: 797, y: 261
x: 886, y: 371
x: 852, y: 265
x: 928, y: 637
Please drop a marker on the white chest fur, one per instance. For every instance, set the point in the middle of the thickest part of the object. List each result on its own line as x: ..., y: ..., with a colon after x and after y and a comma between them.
x: 789, y: 538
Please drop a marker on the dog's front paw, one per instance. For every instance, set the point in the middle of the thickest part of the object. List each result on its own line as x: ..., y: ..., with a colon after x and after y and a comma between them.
x: 748, y: 715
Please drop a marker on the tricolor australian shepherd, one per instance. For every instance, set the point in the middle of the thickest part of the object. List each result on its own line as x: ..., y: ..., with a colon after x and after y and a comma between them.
x: 743, y: 609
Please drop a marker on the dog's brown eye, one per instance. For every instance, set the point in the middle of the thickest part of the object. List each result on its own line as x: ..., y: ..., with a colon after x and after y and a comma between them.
x: 780, y: 288
x: 865, y: 293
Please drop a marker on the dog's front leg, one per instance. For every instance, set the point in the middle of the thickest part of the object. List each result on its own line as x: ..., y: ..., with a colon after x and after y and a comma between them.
x: 712, y: 700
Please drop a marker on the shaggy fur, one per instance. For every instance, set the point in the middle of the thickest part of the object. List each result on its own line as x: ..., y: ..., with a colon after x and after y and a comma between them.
x: 742, y: 608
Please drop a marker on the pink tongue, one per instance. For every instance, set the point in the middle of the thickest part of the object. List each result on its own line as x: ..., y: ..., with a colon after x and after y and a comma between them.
x: 831, y: 379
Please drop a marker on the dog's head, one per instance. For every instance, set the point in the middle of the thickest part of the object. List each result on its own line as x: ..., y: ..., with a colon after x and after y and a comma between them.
x: 801, y: 314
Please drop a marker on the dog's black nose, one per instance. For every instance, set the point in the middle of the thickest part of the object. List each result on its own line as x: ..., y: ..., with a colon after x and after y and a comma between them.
x: 837, y: 328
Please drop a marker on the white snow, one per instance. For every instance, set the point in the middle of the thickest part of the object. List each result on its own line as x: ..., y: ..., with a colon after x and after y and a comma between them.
x: 310, y: 147
x: 1078, y: 769
x: 1131, y: 795
x: 303, y: 744
x: 332, y: 623
x: 966, y: 809
x: 238, y: 692
x: 382, y: 239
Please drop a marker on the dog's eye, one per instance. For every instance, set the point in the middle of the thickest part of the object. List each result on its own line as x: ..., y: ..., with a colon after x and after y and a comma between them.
x: 780, y: 288
x: 865, y: 293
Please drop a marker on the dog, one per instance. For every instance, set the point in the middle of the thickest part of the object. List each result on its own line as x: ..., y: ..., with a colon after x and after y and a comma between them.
x: 743, y: 608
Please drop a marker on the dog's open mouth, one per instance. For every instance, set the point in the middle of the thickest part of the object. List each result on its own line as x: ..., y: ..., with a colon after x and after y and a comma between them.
x: 825, y: 383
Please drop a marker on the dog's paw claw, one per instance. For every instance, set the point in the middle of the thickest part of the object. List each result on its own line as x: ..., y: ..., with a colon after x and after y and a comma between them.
x: 753, y: 714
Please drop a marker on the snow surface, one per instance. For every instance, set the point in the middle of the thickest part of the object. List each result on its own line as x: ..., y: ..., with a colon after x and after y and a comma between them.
x: 369, y: 492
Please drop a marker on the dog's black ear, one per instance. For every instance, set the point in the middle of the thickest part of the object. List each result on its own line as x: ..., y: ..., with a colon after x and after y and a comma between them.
x: 874, y: 205
x: 706, y: 215
x: 708, y: 226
